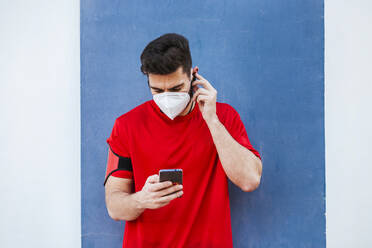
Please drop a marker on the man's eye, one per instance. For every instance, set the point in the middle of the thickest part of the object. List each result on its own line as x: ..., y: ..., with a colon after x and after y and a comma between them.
x: 175, y: 89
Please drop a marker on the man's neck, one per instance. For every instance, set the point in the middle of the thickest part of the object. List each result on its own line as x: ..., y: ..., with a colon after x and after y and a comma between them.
x: 189, y: 106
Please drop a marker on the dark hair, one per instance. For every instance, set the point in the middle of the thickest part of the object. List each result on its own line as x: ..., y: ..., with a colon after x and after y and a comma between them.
x: 166, y: 54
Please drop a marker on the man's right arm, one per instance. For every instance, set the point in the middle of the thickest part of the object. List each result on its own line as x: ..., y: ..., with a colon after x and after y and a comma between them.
x: 123, y: 204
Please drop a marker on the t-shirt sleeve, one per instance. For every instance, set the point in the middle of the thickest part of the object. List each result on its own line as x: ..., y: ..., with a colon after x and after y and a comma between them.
x: 119, y: 163
x: 235, y: 126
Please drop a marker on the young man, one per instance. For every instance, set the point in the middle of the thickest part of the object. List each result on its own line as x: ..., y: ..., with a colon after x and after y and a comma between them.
x: 181, y: 127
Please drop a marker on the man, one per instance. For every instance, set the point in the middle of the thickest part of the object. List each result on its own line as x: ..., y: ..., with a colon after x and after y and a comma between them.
x: 181, y: 127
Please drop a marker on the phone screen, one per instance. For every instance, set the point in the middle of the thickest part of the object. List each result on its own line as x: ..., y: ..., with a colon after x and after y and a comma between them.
x: 173, y: 175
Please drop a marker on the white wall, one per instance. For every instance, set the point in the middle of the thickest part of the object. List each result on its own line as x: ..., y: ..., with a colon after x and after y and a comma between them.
x: 348, y: 118
x: 40, y: 123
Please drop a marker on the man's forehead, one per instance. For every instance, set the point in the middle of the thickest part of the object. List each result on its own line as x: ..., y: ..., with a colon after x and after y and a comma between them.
x: 168, y: 85
x: 166, y: 82
x: 169, y: 80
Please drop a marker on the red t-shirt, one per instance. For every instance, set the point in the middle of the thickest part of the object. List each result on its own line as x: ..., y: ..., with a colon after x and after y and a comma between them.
x: 143, y: 141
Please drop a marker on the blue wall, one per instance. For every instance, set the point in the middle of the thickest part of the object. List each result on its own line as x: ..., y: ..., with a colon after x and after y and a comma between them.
x: 265, y: 58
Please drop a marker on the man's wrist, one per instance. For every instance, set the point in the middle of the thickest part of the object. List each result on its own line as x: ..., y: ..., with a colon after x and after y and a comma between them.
x: 137, y: 201
x: 213, y: 123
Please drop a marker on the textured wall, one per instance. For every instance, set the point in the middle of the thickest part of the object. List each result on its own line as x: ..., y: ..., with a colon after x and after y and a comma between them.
x: 265, y: 58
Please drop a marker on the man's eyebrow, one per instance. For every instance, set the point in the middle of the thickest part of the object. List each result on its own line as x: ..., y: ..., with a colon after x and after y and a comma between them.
x: 174, y: 87
x: 181, y: 84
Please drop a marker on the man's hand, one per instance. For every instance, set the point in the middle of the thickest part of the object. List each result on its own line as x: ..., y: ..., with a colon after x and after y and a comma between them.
x: 153, y: 193
x: 206, y: 98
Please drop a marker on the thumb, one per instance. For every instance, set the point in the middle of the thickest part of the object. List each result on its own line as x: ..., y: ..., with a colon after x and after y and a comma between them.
x: 153, y: 179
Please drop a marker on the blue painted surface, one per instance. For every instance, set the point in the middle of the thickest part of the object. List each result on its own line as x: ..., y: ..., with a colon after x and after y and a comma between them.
x: 265, y: 58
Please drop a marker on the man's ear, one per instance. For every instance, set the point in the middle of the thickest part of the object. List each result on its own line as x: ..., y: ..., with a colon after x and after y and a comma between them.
x: 196, y: 69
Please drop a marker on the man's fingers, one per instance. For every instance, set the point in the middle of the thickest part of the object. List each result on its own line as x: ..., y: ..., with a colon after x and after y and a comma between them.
x: 158, y: 186
x: 162, y: 204
x: 195, y: 88
x: 153, y: 178
x: 199, y: 91
x: 197, y: 75
x: 169, y: 190
x: 203, y: 82
x: 169, y: 197
x: 202, y: 98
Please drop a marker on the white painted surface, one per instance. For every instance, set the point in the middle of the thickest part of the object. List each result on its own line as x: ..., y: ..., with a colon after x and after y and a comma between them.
x: 40, y: 123
x: 348, y: 118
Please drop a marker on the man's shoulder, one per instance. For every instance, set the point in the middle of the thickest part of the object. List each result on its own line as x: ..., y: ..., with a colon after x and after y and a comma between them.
x: 136, y: 112
x: 223, y: 105
x: 225, y: 110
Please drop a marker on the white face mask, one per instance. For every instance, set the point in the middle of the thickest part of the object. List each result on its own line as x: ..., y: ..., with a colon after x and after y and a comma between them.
x: 172, y: 103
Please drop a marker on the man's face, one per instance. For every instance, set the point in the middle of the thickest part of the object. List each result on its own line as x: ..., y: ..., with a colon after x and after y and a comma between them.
x: 177, y: 81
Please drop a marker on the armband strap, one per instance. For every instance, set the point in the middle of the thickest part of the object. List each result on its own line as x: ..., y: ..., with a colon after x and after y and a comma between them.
x: 116, y: 162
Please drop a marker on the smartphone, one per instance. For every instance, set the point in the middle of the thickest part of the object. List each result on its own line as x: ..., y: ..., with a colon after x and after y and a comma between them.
x: 193, y: 79
x: 173, y: 175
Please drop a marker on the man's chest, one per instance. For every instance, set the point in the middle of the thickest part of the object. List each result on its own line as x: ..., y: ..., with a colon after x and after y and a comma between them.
x: 189, y: 147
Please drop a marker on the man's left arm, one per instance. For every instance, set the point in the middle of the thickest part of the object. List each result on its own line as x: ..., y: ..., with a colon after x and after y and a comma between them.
x: 241, y: 166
